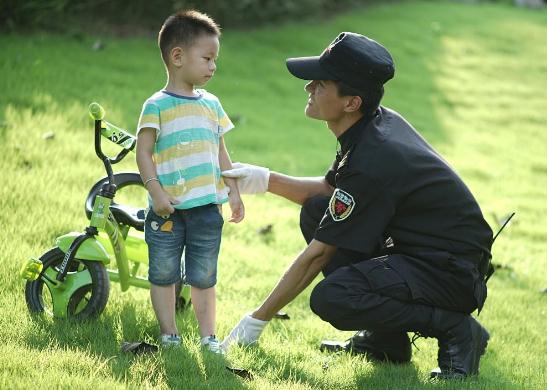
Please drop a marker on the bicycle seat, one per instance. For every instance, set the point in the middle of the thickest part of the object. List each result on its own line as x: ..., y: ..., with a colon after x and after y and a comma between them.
x: 127, y: 215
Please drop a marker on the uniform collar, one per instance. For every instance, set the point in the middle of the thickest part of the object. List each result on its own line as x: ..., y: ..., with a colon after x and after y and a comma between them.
x: 352, y: 135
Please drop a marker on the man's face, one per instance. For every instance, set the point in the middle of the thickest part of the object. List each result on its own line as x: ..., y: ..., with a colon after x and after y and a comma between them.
x: 199, y: 60
x: 324, y: 102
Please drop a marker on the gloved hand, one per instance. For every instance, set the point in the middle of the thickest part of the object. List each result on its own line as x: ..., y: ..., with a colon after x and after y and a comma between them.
x: 251, y: 179
x: 246, y: 332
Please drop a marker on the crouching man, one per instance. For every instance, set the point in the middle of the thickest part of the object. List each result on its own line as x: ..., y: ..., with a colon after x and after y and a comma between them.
x: 399, y: 237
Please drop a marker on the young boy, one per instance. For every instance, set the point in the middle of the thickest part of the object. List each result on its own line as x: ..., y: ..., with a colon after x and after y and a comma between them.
x: 180, y: 154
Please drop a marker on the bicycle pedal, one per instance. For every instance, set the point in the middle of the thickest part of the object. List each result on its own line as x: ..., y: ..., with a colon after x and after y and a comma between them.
x: 31, y: 269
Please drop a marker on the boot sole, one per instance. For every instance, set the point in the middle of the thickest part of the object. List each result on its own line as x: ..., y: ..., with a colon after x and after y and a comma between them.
x: 334, y: 346
x: 371, y: 352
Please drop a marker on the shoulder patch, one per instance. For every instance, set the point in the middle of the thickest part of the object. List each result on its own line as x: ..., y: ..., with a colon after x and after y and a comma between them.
x: 341, y: 205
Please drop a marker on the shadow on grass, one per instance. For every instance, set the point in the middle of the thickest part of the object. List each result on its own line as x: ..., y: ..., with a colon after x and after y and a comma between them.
x: 101, y: 339
x: 290, y: 370
x: 377, y: 375
x: 384, y: 373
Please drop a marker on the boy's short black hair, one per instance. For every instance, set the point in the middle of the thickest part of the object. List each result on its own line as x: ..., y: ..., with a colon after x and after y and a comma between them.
x: 370, y: 99
x: 183, y: 28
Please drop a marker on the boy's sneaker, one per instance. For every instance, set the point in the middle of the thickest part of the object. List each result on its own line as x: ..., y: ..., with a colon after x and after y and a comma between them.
x: 170, y: 340
x: 212, y: 344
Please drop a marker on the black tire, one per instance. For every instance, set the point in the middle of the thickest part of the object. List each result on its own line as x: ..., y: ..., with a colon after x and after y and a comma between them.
x: 181, y: 302
x: 85, y: 303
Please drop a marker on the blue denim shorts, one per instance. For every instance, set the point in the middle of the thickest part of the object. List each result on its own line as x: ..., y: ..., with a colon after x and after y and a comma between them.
x: 195, y: 232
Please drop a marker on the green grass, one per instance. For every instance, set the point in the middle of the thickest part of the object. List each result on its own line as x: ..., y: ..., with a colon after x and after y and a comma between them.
x: 471, y: 77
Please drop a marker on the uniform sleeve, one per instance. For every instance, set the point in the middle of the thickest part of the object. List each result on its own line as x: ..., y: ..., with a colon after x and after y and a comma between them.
x: 224, y: 122
x: 150, y: 117
x: 358, y: 214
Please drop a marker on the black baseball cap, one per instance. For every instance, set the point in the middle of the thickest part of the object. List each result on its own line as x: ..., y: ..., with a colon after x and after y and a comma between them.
x: 354, y: 59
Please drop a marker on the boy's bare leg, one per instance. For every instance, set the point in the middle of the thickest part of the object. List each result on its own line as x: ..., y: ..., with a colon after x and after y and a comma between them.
x: 204, y: 302
x: 163, y: 302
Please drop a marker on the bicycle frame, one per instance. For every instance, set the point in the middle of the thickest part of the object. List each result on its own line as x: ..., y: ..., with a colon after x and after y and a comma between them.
x: 124, y: 248
x: 102, y: 241
x: 110, y: 241
x: 117, y: 242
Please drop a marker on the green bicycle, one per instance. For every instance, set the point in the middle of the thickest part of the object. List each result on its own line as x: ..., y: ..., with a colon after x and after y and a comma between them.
x: 72, y: 280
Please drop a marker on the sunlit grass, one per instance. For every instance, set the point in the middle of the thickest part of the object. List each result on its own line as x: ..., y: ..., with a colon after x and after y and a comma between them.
x: 472, y: 78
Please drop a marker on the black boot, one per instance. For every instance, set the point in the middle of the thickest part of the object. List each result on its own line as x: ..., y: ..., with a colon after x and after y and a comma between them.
x: 462, y: 342
x: 393, y: 347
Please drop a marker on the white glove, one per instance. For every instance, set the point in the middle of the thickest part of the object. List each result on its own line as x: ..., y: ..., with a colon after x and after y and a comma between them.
x: 251, y: 179
x: 246, y: 332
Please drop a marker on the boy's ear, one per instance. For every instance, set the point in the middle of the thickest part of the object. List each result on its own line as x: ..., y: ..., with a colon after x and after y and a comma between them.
x: 175, y: 55
x: 353, y: 104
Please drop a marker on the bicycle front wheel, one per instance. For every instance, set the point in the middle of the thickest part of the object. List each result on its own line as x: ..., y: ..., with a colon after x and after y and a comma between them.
x: 82, y: 295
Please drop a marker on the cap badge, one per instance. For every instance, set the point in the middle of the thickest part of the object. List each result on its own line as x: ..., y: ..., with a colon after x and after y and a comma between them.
x: 328, y: 48
x: 341, y: 205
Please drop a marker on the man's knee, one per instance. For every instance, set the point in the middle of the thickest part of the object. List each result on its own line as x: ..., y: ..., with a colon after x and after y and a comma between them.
x: 321, y: 301
x: 311, y: 213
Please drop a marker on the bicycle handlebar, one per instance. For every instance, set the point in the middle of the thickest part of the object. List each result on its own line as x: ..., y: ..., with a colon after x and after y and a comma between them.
x: 96, y: 111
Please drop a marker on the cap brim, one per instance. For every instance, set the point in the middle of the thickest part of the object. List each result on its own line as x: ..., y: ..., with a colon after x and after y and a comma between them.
x: 308, y: 68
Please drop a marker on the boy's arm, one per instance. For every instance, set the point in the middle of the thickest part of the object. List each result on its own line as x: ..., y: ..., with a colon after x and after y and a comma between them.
x: 236, y: 204
x: 146, y: 140
x: 226, y: 164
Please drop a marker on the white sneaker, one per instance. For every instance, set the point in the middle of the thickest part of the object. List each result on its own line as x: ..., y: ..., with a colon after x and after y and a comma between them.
x: 170, y: 340
x: 212, y: 344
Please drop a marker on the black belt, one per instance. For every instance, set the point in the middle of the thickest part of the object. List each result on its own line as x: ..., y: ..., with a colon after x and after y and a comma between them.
x: 479, y: 258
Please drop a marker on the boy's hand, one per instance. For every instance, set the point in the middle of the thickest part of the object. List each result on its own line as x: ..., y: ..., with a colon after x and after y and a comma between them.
x: 163, y: 203
x: 237, y: 207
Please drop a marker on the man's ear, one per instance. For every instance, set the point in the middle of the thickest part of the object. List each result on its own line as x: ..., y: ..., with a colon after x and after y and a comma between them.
x: 175, y: 55
x: 353, y: 104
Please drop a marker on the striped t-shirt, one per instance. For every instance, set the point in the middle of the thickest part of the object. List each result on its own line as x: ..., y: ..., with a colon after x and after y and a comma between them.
x: 188, y: 131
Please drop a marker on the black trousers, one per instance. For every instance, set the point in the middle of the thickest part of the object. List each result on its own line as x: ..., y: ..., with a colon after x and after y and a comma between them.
x: 368, y: 294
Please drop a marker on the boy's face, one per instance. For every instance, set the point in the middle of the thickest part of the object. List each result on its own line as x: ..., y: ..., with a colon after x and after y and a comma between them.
x: 198, y: 61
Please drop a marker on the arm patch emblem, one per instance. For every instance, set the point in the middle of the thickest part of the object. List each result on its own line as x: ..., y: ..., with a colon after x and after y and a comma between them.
x: 341, y: 205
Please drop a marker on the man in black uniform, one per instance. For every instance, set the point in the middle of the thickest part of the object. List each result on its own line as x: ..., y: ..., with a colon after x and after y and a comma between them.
x: 399, y: 237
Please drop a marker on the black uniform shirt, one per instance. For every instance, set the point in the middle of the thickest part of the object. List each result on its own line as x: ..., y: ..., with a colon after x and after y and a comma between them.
x: 391, y: 184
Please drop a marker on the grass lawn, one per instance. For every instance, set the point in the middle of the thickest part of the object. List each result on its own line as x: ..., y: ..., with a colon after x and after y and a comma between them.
x: 471, y: 77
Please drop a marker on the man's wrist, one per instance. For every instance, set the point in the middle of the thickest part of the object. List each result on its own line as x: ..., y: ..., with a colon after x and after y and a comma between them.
x: 273, y: 179
x: 261, y: 315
